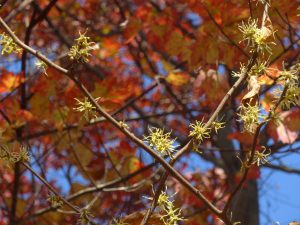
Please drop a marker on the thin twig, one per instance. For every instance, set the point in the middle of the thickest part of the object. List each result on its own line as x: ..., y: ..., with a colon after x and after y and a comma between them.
x: 45, y: 183
x: 282, y: 168
x: 223, y: 32
x: 88, y: 190
x: 31, y: 50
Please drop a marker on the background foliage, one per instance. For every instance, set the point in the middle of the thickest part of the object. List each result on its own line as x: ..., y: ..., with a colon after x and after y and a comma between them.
x: 157, y: 63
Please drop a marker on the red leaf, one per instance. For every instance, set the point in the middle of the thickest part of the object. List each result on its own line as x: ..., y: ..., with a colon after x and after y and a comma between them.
x: 243, y: 138
x: 25, y: 115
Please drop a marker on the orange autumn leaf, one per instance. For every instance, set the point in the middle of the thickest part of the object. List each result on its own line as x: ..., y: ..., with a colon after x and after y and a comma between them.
x: 265, y: 80
x: 9, y: 81
x: 272, y: 72
x: 24, y: 115
x: 268, y: 101
x: 109, y: 47
x: 218, y: 19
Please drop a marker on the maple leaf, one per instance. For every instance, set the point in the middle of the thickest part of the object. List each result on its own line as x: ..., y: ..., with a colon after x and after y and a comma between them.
x: 9, y: 81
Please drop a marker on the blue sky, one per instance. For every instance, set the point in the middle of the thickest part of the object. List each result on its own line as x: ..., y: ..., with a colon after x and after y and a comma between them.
x: 279, y: 195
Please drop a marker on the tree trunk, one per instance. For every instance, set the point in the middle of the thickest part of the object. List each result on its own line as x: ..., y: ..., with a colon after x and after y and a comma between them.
x: 245, y: 207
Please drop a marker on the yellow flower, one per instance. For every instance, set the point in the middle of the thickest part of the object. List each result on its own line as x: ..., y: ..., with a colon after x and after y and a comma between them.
x: 217, y: 125
x: 256, y: 38
x: 261, y: 157
x: 80, y: 51
x: 172, y: 214
x: 55, y: 201
x: 199, y: 131
x: 249, y: 115
x: 8, y: 45
x: 85, y: 106
x: 41, y: 65
x: 119, y: 222
x: 160, y: 141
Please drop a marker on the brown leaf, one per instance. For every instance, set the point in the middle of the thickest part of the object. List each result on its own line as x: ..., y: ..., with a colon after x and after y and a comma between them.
x: 252, y: 96
x: 137, y: 217
x: 132, y: 28
x: 175, y: 43
x: 96, y: 167
x: 292, y: 120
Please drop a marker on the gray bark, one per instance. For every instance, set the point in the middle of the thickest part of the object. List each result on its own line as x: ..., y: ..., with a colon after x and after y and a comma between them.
x: 245, y: 207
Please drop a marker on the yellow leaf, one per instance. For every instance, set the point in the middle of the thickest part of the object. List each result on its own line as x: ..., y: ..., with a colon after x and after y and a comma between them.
x: 178, y: 79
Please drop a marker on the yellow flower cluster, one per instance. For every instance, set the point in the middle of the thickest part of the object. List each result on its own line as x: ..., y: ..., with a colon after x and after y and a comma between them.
x: 80, y: 51
x: 13, y: 157
x: 173, y: 215
x: 119, y: 222
x: 85, y: 106
x: 55, y: 201
x: 8, y: 45
x: 160, y: 141
x: 256, y: 38
x: 291, y: 83
x: 249, y: 115
x: 199, y: 131
x: 84, y: 217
